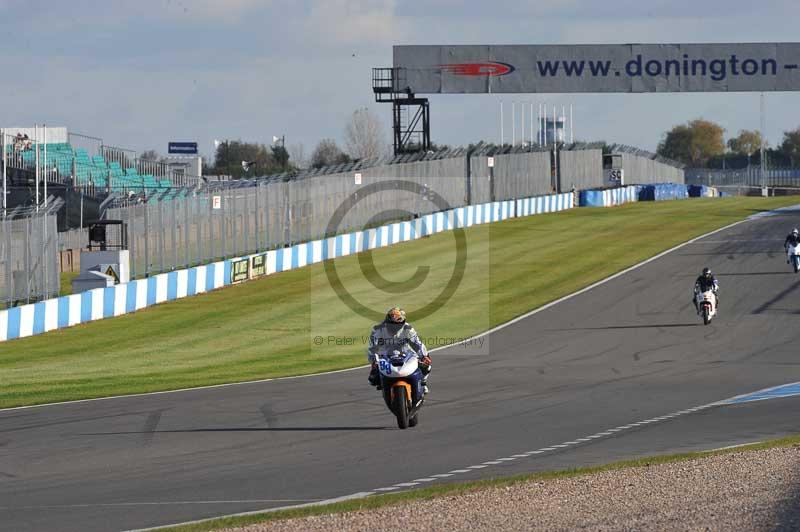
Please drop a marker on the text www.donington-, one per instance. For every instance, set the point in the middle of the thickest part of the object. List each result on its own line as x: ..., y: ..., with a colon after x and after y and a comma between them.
x: 716, y: 69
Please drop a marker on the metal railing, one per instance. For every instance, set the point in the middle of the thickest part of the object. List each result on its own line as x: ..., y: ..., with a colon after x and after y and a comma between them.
x: 749, y: 177
x: 92, y: 145
x: 29, y: 268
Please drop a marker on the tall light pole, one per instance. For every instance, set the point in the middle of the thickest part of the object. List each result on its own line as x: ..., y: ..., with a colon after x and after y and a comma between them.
x: 502, y: 136
x: 763, y: 136
x: 5, y: 172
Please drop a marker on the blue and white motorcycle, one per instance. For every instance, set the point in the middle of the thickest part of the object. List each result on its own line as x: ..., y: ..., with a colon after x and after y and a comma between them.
x: 401, y: 382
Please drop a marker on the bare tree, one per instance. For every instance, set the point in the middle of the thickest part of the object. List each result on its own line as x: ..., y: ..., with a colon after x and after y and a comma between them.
x: 297, y: 155
x: 150, y: 155
x: 363, y: 136
x: 327, y: 153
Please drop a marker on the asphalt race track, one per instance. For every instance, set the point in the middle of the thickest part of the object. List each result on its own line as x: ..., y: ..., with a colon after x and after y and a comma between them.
x: 583, y: 382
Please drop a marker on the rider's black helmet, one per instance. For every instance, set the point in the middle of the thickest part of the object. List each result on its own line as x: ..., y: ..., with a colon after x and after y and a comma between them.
x: 706, y: 272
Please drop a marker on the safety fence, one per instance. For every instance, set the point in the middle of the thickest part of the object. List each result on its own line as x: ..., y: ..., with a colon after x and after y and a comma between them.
x: 37, y: 318
x: 750, y: 177
x: 170, y: 234
x: 29, y: 269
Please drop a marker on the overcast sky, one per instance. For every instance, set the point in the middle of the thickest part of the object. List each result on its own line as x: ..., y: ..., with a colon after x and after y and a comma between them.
x: 141, y: 73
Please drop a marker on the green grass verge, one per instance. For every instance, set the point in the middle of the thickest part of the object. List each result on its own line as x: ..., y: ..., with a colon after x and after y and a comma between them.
x: 266, y: 328
x: 378, y: 501
x: 65, y: 287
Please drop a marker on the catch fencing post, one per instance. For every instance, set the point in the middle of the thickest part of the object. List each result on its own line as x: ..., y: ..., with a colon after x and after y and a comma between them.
x: 186, y: 243
x: 146, y: 208
x: 212, y: 247
x: 174, y: 228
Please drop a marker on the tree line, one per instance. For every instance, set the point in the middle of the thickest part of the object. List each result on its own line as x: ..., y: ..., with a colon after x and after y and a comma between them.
x: 701, y: 144
x: 363, y: 138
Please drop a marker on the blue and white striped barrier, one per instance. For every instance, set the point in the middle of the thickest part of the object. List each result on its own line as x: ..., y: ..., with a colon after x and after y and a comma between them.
x: 663, y: 191
x: 66, y: 311
x: 608, y: 197
x: 702, y: 191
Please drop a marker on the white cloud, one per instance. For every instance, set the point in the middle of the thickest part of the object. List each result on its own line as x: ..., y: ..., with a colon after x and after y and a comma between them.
x: 354, y: 22
x: 228, y: 11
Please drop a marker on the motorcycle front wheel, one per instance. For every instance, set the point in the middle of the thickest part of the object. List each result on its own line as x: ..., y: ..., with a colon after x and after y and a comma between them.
x: 706, y: 316
x: 400, y: 407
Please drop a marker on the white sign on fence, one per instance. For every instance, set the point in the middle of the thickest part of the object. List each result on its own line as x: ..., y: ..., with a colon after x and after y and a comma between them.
x: 615, y: 176
x: 216, y: 202
x: 358, y: 179
x: 491, y: 162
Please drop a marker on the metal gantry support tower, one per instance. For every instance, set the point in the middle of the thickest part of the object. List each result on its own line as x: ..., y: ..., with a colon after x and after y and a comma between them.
x: 411, y: 126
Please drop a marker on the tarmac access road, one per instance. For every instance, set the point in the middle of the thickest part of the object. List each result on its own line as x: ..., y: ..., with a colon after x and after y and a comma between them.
x: 623, y: 370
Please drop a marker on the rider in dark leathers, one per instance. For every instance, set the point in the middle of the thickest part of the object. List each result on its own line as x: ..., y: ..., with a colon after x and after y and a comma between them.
x: 705, y: 282
x: 792, y: 240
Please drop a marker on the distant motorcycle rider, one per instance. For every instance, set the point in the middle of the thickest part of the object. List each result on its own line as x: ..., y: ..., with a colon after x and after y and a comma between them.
x: 393, y: 333
x: 704, y: 283
x: 792, y: 240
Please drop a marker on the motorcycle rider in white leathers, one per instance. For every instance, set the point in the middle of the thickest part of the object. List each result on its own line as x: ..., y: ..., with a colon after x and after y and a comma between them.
x: 393, y: 333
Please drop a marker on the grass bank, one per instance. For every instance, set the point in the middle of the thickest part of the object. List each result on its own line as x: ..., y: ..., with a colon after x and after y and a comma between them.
x: 293, y: 323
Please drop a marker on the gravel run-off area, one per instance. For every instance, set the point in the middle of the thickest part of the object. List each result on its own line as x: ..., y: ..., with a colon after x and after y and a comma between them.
x: 746, y: 490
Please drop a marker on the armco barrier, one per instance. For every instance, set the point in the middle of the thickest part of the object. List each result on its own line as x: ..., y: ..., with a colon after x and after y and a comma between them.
x: 65, y: 311
x: 608, y: 197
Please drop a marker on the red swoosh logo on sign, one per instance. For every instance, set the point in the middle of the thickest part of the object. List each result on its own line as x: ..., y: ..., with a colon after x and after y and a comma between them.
x: 477, y: 69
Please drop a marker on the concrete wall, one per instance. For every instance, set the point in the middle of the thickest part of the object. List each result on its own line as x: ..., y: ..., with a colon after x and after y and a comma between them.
x: 516, y: 175
x: 581, y: 169
x: 642, y: 170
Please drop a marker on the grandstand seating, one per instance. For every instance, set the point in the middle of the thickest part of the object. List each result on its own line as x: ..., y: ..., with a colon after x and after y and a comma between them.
x: 95, y: 170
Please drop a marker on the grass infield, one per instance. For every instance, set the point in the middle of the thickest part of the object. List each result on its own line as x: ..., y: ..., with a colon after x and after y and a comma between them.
x: 293, y: 323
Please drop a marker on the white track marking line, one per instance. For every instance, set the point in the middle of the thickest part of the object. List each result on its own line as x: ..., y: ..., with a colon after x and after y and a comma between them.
x: 490, y: 331
x: 366, y: 494
x: 152, y: 503
x: 736, y: 446
x: 359, y: 495
x: 610, y: 432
